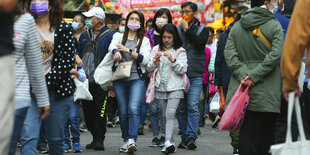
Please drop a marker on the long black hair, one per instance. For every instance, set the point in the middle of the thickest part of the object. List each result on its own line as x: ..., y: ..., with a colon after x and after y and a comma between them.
x: 172, y: 29
x: 159, y: 13
x: 140, y: 32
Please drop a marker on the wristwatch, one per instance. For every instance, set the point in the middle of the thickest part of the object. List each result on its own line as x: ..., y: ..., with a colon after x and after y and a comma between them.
x: 130, y: 51
x: 174, y: 61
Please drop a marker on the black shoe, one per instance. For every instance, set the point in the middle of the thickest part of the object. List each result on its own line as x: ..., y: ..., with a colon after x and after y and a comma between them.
x: 99, y: 146
x: 191, y: 144
x: 236, y: 151
x: 140, y: 130
x: 183, y: 145
x: 199, y: 132
x: 91, y: 145
x: 43, y: 149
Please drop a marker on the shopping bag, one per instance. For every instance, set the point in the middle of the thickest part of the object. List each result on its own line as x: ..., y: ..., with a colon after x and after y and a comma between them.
x: 222, y: 98
x: 187, y: 83
x: 150, y: 92
x: 233, y: 116
x: 82, y: 92
x: 301, y: 147
x: 211, y: 84
x: 215, y: 103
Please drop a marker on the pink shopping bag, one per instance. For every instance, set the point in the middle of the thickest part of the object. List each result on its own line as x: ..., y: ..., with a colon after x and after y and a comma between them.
x: 233, y: 116
x: 150, y: 92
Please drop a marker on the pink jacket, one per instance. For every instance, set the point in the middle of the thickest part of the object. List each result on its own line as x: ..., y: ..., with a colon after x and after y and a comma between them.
x: 205, y: 75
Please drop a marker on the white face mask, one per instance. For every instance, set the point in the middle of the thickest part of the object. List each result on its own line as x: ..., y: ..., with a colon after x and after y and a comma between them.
x: 161, y: 22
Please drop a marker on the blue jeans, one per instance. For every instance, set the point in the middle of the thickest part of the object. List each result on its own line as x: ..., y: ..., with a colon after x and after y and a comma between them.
x: 54, y: 126
x: 143, y: 112
x: 156, y: 118
x: 130, y: 95
x: 187, y: 112
x: 42, y: 137
x: 74, y: 121
x: 20, y: 115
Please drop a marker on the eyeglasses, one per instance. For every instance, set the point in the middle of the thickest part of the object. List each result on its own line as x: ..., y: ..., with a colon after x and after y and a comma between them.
x: 185, y: 12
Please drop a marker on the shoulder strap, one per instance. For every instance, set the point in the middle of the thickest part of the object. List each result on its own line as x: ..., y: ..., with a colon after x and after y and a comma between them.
x: 200, y: 30
x: 258, y: 32
x: 103, y: 35
x: 87, y: 36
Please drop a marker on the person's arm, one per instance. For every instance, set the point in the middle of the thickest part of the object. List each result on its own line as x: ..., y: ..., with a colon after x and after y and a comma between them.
x: 219, y: 58
x: 152, y: 65
x: 297, y: 40
x: 180, y: 64
x: 117, y: 38
x: 238, y: 69
x: 7, y: 5
x: 271, y: 60
x: 199, y: 41
x: 145, y: 50
x: 34, y: 65
x: 82, y: 75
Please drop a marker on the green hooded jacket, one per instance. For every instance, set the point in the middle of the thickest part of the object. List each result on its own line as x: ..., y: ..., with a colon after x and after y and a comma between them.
x: 247, y: 54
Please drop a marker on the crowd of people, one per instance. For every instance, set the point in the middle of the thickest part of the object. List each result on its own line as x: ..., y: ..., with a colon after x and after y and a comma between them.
x: 177, y: 69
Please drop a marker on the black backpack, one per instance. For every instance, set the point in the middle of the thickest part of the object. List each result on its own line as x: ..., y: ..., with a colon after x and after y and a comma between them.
x: 91, y: 54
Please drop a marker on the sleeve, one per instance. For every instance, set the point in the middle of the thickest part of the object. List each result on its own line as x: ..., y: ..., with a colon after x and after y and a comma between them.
x: 180, y: 65
x: 219, y: 58
x: 66, y: 57
x: 116, y: 40
x: 82, y: 42
x: 82, y: 76
x: 297, y: 39
x: 271, y: 60
x: 143, y: 56
x: 199, y: 41
x: 35, y: 65
x: 151, y: 64
x: 237, y: 68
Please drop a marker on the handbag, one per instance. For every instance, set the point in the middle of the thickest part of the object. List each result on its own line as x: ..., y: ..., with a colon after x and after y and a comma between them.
x: 103, y: 72
x: 215, y: 103
x: 233, y: 116
x: 301, y: 147
x: 122, y: 71
x: 82, y: 92
x: 211, y: 84
x: 150, y: 92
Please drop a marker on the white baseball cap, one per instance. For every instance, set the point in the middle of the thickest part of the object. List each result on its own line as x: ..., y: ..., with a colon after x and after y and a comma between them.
x: 95, y: 11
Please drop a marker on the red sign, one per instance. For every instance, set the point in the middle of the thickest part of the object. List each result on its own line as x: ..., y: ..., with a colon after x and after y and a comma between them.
x: 154, y: 3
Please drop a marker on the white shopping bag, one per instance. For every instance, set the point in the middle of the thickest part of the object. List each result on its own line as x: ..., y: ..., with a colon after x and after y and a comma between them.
x: 82, y: 92
x: 301, y: 147
x: 215, y: 103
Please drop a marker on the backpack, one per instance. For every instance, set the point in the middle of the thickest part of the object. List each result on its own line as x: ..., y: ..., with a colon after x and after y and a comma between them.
x: 91, y: 54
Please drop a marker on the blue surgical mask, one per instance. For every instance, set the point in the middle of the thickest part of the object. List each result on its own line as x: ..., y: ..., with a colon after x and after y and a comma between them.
x: 168, y: 46
x: 88, y: 24
x: 75, y: 25
x: 121, y: 29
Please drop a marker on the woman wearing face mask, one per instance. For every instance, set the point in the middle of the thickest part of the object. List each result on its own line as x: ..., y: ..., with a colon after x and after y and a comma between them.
x: 161, y: 18
x: 57, y: 48
x: 121, y: 25
x: 171, y: 61
x: 130, y: 92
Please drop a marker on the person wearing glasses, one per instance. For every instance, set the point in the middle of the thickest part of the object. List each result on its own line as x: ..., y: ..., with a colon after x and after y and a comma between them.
x: 194, y: 38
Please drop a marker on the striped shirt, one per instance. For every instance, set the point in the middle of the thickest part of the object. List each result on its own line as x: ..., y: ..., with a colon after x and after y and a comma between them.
x: 28, y: 64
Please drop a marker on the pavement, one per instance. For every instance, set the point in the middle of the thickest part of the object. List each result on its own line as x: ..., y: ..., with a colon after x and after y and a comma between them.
x: 210, y: 142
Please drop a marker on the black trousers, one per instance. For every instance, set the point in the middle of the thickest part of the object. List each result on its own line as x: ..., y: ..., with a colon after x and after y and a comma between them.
x: 257, y: 133
x: 305, y: 109
x: 111, y: 108
x: 94, y: 112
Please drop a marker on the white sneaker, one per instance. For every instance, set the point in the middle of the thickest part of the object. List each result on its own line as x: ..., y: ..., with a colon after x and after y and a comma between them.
x: 124, y: 148
x: 168, y: 148
x: 132, y: 147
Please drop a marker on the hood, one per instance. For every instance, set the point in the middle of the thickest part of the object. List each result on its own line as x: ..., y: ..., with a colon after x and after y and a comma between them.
x: 255, y: 17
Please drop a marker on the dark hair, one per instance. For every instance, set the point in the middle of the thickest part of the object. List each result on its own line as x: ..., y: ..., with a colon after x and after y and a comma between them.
x: 140, y: 32
x: 219, y: 31
x: 119, y: 22
x: 18, y: 11
x: 149, y: 20
x: 258, y: 3
x: 238, y: 11
x: 210, y: 29
x: 193, y: 6
x: 160, y: 12
x: 172, y: 29
x: 82, y: 18
x: 55, y: 12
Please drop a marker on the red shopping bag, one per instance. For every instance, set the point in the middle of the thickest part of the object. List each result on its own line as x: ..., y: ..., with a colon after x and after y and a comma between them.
x: 233, y: 116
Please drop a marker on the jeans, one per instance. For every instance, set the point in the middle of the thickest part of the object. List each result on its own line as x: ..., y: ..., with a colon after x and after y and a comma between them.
x: 54, y: 126
x: 156, y: 118
x: 42, y: 137
x: 74, y: 121
x: 187, y: 112
x: 20, y: 115
x: 130, y: 95
x: 111, y: 108
x: 94, y: 113
x: 143, y: 112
